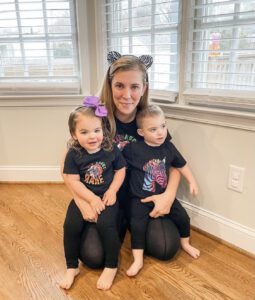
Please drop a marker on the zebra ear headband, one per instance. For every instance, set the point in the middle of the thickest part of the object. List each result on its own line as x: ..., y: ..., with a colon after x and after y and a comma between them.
x: 147, y: 60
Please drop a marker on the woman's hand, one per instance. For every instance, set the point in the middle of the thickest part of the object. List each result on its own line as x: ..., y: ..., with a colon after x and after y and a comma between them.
x: 162, y: 204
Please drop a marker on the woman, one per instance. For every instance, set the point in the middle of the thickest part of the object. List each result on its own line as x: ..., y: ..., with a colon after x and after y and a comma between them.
x: 124, y: 92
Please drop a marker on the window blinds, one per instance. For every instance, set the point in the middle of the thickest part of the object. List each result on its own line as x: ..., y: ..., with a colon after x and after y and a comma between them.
x: 146, y: 27
x: 38, y: 47
x: 221, y: 45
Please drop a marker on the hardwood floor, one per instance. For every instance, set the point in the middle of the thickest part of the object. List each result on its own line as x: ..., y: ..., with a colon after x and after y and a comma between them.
x: 32, y: 258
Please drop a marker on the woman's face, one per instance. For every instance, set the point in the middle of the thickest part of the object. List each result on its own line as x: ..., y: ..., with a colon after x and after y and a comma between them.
x: 127, y: 89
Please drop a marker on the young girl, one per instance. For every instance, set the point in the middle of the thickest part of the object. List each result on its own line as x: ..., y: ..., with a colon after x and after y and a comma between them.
x: 149, y: 164
x: 96, y: 170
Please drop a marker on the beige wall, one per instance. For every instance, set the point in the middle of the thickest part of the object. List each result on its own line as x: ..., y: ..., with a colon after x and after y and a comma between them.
x: 209, y: 151
x: 32, y: 136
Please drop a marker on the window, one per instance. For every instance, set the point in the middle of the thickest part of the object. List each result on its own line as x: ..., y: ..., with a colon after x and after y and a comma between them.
x: 38, y: 47
x: 222, y: 45
x: 147, y: 27
x: 211, y: 63
x: 220, y: 66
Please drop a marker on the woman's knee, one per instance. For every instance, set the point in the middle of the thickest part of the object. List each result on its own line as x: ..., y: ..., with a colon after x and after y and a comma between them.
x: 91, y: 250
x: 162, y: 239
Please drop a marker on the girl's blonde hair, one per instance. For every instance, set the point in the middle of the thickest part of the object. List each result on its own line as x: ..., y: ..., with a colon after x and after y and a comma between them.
x: 88, y: 112
x: 124, y: 63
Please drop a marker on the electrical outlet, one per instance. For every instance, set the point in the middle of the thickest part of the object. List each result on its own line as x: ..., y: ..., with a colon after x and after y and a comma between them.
x: 236, y: 178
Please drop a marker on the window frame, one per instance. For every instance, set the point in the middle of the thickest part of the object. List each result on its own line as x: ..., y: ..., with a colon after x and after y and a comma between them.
x: 229, y: 100
x: 155, y: 95
x: 32, y: 100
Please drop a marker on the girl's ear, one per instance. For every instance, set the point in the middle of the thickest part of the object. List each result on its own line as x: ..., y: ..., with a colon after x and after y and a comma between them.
x: 140, y: 132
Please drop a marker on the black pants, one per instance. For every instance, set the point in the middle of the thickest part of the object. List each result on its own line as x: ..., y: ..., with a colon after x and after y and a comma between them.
x: 163, y: 244
x: 107, y: 228
x: 140, y: 217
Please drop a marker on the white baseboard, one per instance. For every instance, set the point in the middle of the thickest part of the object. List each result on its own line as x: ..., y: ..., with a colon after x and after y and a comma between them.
x: 30, y: 173
x: 221, y: 227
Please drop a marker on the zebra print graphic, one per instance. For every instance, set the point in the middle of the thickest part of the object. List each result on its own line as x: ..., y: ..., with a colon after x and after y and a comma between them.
x: 112, y: 56
x: 155, y: 172
x: 147, y: 60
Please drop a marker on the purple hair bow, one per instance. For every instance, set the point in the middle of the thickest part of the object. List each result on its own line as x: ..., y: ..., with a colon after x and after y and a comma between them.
x: 94, y: 102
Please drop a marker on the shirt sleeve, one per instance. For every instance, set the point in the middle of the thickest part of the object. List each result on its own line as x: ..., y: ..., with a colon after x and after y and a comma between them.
x: 119, y: 161
x: 178, y: 160
x: 70, y: 165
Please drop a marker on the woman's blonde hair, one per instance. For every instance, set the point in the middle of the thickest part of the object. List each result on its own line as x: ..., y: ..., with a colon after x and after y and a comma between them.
x: 124, y: 63
x: 88, y: 112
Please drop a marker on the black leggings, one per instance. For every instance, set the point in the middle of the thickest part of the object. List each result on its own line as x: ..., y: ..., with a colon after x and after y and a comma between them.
x: 162, y: 237
x: 103, y: 249
x: 140, y: 218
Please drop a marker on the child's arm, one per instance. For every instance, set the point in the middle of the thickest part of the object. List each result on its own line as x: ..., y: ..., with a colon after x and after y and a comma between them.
x: 78, y: 188
x: 86, y: 210
x: 186, y: 172
x: 110, y: 195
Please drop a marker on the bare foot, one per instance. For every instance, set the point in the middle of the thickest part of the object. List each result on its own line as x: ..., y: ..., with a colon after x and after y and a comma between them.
x: 192, y: 251
x: 67, y: 281
x: 137, y: 264
x: 106, y: 279
x: 134, y: 268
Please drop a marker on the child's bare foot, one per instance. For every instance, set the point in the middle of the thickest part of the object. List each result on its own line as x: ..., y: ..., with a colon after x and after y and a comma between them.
x: 134, y: 268
x: 67, y: 281
x: 137, y: 264
x: 106, y: 279
x: 192, y: 251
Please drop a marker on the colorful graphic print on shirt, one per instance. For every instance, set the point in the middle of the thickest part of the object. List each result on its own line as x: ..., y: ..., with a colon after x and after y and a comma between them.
x: 155, y: 172
x: 122, y: 140
x: 93, y: 174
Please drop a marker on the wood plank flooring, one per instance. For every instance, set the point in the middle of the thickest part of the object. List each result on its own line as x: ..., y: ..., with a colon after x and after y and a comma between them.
x: 32, y: 258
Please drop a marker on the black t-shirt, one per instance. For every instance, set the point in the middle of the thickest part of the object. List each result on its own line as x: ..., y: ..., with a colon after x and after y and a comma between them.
x: 149, y: 167
x: 96, y: 170
x: 126, y: 133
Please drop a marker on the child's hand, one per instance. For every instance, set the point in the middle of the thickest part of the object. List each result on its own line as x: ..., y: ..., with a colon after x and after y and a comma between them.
x: 97, y: 204
x: 109, y: 197
x: 87, y: 211
x: 193, y: 188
